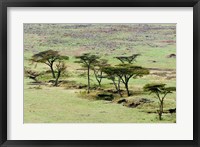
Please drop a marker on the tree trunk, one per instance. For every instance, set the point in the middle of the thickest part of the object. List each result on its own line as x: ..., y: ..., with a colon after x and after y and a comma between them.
x: 117, y: 87
x: 127, y: 90
x: 119, y: 90
x: 88, y: 88
x: 33, y: 78
x: 36, y: 80
x: 98, y: 78
x: 99, y: 81
x: 161, y: 110
x: 52, y: 71
x: 56, y: 81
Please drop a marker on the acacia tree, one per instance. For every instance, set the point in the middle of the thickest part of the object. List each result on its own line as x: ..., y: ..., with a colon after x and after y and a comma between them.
x: 160, y: 91
x: 60, y: 67
x: 48, y: 57
x: 87, y: 60
x: 111, y: 74
x: 128, y: 59
x: 98, y: 70
x: 128, y: 71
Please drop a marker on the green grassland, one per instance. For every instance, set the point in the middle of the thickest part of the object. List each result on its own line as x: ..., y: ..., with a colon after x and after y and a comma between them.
x: 44, y: 103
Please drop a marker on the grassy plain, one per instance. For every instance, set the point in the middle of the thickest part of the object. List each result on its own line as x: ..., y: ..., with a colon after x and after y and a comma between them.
x: 44, y: 103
